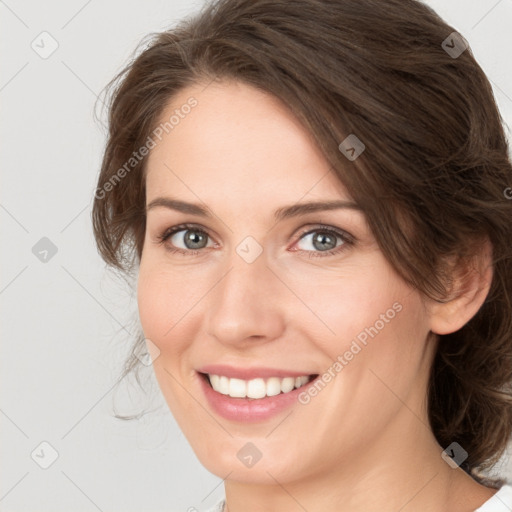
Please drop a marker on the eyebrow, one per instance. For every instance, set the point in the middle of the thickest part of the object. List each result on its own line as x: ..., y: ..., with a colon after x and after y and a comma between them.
x: 285, y: 212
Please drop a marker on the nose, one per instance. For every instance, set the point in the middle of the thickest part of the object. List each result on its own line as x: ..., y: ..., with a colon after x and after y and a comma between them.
x: 247, y: 304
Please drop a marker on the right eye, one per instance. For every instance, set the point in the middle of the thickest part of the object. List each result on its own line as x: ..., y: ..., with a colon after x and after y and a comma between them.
x: 185, y: 239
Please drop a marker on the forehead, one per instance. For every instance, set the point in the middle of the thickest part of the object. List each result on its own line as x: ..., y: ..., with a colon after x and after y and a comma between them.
x: 237, y: 142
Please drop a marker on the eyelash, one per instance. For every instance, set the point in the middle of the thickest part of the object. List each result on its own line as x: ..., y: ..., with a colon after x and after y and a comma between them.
x: 347, y: 239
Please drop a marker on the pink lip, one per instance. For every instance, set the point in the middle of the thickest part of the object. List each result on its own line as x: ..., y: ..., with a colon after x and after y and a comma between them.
x: 248, y: 373
x: 246, y: 410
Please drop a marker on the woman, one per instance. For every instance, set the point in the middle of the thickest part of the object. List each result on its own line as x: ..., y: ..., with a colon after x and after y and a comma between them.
x: 313, y: 194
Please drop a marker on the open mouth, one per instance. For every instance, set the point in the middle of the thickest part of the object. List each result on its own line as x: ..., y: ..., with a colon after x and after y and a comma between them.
x: 255, y: 388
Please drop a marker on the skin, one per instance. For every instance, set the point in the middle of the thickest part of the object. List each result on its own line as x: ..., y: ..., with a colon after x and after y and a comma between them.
x: 364, y: 442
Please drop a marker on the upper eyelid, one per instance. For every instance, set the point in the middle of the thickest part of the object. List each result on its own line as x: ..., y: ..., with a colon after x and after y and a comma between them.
x: 345, y: 235
x: 179, y: 227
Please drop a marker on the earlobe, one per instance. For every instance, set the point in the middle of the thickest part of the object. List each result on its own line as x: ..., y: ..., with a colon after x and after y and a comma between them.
x: 471, y: 283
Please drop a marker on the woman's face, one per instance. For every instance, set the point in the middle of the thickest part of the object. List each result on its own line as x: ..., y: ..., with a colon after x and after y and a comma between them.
x: 257, y: 292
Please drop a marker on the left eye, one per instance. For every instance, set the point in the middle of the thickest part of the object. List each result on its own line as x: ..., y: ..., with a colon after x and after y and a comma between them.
x: 321, y: 240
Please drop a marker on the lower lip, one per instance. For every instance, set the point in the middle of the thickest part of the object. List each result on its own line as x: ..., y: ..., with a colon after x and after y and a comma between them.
x: 246, y: 410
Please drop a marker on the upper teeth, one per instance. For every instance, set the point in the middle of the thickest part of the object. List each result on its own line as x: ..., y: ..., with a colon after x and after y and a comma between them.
x: 255, y: 388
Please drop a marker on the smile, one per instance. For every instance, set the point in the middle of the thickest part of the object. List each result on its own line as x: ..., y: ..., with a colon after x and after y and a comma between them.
x: 250, y: 395
x: 256, y: 388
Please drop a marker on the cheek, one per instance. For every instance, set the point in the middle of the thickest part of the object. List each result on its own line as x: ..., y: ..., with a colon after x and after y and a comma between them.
x: 152, y: 303
x: 384, y: 357
x: 166, y: 304
x: 351, y: 302
x: 166, y: 312
x: 374, y: 328
x: 370, y: 364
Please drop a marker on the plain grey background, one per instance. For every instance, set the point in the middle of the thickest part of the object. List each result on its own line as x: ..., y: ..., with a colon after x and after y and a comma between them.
x: 66, y: 321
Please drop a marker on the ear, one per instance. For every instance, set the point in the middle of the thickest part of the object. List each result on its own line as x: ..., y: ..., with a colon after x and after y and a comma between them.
x: 471, y: 282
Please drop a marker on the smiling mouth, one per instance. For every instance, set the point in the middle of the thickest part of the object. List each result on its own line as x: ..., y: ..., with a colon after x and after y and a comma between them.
x: 255, y: 388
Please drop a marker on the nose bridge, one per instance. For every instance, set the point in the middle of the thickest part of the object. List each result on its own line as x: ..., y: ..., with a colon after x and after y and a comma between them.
x: 244, y: 302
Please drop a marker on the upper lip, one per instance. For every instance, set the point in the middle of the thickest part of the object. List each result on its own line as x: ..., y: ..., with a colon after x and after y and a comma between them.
x: 249, y: 373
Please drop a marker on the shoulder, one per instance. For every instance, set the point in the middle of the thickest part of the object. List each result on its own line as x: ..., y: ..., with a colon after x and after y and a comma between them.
x: 500, y: 502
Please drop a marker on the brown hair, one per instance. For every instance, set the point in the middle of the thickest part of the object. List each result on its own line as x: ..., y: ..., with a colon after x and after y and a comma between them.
x: 432, y: 180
